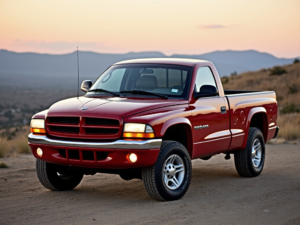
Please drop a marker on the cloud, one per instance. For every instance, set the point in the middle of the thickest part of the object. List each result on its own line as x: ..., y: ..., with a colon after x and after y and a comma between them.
x: 217, y: 26
x: 213, y: 26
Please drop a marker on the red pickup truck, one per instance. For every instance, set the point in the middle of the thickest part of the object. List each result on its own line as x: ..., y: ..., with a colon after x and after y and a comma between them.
x: 147, y: 119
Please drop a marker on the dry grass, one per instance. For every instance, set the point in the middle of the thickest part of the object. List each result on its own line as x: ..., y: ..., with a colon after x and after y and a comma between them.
x: 4, y: 147
x: 21, y: 144
x: 287, y: 88
x: 18, y: 144
x: 289, y: 126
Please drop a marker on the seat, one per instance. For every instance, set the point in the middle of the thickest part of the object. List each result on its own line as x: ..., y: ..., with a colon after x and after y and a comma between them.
x: 146, y: 82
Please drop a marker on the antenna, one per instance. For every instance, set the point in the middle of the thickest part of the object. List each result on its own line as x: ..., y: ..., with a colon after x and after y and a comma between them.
x: 78, y: 74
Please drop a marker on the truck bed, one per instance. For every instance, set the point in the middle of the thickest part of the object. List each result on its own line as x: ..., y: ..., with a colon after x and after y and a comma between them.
x: 242, y: 106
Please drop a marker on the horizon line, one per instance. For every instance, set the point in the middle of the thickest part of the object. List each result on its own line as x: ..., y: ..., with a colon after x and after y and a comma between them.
x: 228, y: 50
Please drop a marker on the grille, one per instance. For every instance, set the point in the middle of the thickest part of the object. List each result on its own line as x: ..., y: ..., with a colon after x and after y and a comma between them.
x: 64, y: 129
x: 91, y: 121
x: 70, y: 120
x: 84, y: 128
x: 74, y: 154
x: 101, y: 131
x: 82, y: 155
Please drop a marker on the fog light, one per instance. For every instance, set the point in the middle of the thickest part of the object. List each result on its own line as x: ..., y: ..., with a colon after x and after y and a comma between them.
x: 39, y: 151
x: 132, y: 157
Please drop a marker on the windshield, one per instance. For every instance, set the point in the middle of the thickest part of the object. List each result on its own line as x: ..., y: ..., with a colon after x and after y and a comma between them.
x: 169, y: 80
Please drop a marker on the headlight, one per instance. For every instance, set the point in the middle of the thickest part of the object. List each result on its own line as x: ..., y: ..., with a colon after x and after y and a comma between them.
x: 138, y: 130
x: 37, y: 126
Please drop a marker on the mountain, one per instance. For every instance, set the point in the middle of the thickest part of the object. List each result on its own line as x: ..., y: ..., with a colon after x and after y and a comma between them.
x: 93, y: 64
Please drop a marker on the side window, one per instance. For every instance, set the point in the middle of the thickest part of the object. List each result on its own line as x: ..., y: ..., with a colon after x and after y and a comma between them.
x: 204, y: 77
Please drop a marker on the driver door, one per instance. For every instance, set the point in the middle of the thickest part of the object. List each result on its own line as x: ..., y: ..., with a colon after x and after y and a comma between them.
x: 210, y: 119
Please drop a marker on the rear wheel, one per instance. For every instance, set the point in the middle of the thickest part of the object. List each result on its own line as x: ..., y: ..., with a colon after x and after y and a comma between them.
x: 250, y: 161
x: 57, y: 177
x: 169, y: 178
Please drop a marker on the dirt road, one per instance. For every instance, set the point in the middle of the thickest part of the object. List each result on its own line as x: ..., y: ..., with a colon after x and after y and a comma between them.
x: 217, y: 195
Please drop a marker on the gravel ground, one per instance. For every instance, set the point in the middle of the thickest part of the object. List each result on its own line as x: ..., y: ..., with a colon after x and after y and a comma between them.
x: 217, y: 195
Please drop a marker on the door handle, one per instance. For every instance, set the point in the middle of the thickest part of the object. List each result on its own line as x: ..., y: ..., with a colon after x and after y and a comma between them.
x: 223, y: 109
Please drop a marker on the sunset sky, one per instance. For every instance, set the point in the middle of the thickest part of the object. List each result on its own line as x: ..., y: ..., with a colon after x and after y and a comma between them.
x: 168, y: 26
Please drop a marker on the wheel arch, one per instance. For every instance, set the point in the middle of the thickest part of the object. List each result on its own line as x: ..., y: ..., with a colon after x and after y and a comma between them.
x: 258, y: 118
x: 180, y: 130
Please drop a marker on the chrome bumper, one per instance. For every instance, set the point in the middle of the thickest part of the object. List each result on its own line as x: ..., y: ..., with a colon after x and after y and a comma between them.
x: 119, y: 144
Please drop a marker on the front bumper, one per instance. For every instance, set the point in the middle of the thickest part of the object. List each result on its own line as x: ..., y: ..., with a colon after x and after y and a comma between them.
x: 146, y: 151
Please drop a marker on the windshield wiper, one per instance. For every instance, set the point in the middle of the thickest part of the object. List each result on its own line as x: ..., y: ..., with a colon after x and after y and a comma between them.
x: 144, y: 92
x: 103, y: 90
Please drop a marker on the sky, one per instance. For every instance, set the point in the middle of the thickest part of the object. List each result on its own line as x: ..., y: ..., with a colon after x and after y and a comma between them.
x: 168, y: 26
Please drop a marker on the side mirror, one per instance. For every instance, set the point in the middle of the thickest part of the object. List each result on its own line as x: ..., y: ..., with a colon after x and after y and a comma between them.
x: 206, y: 91
x: 86, y: 85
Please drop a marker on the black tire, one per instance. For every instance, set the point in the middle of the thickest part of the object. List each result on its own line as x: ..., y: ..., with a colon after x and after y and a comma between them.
x: 153, y: 177
x: 56, y: 177
x: 243, y: 159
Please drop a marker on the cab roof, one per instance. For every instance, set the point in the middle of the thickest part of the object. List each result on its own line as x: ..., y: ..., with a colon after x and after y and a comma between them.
x: 173, y: 61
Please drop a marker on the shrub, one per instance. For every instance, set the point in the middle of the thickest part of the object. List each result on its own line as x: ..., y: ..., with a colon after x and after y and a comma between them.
x: 250, y: 82
x: 224, y: 80
x: 277, y: 71
x: 3, y: 165
x: 22, y: 145
x: 292, y: 89
x: 4, y: 146
x: 233, y: 73
x: 296, y: 61
x: 289, y: 108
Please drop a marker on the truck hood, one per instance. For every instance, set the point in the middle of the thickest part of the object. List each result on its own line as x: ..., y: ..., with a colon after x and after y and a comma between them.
x: 111, y: 107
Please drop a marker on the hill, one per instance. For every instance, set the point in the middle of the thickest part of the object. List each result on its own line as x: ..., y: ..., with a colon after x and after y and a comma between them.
x: 93, y: 64
x: 287, y: 88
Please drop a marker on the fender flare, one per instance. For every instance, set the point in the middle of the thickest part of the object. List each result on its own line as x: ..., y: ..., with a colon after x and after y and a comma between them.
x: 180, y: 120
x: 251, y: 113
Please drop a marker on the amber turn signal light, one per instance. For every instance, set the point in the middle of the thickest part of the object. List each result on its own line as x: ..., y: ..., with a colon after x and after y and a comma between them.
x: 138, y: 135
x: 37, y: 131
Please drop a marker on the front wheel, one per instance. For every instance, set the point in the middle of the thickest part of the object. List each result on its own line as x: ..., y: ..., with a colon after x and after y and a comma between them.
x: 169, y: 178
x: 56, y: 177
x: 249, y: 162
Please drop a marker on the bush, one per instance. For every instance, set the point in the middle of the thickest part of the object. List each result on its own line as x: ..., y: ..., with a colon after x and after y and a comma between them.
x: 277, y: 71
x: 296, y: 61
x: 289, y: 108
x: 292, y: 89
x: 3, y: 165
x: 233, y: 74
x: 22, y: 145
x: 4, y: 146
x: 263, y: 70
x: 224, y: 80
